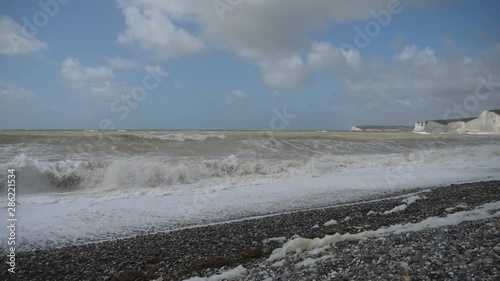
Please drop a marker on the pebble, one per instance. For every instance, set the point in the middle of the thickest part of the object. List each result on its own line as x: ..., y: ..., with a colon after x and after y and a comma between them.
x: 461, y: 252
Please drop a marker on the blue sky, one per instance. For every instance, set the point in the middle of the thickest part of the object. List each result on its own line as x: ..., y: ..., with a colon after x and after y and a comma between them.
x: 242, y: 64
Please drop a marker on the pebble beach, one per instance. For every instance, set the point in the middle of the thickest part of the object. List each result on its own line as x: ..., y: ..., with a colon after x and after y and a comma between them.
x: 241, y: 250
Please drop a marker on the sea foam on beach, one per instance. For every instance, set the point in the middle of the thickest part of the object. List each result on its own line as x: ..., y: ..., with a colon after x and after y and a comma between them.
x: 92, y: 186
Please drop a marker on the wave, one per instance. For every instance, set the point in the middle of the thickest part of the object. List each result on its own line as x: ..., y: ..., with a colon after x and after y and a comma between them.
x: 195, y: 174
x: 120, y: 174
x: 182, y: 137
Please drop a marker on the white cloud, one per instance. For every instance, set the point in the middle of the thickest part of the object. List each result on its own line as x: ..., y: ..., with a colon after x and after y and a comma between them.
x: 72, y: 70
x: 287, y: 73
x: 13, y: 42
x: 279, y: 27
x: 152, y: 30
x: 417, y: 56
x: 97, y: 81
x: 273, y: 34
x: 121, y: 63
x: 156, y: 69
x: 325, y: 56
x: 13, y: 95
x: 404, y: 102
x: 397, y: 41
x: 353, y: 58
x: 490, y: 57
x: 264, y: 33
x: 236, y: 98
x: 418, y: 78
x: 100, y: 82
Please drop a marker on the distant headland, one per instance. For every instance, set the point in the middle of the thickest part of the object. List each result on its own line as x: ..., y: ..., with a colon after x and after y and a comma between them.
x: 487, y: 122
x: 381, y: 129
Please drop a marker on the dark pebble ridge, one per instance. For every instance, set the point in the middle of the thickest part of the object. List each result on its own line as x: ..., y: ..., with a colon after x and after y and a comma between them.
x: 468, y: 251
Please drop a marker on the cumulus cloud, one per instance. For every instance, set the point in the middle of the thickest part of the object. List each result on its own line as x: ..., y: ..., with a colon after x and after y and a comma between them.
x: 324, y: 56
x: 280, y: 33
x: 490, y: 57
x: 151, y: 29
x: 416, y: 77
x: 397, y: 41
x: 121, y: 63
x: 287, y: 73
x: 14, y: 95
x: 236, y: 98
x: 14, y: 42
x: 156, y: 69
x: 275, y: 35
x: 283, y: 26
x: 98, y: 81
x: 417, y: 56
x: 72, y: 70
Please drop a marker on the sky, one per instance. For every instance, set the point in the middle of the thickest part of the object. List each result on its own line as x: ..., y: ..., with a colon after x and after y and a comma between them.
x: 245, y: 64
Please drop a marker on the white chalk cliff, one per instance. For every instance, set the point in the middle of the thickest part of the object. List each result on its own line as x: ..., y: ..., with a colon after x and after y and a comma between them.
x: 488, y: 122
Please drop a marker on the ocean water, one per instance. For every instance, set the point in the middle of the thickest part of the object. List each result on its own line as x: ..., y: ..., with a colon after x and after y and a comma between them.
x: 80, y: 186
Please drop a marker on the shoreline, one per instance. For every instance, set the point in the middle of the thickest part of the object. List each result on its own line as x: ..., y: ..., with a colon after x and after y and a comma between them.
x: 360, y: 198
x: 202, y: 250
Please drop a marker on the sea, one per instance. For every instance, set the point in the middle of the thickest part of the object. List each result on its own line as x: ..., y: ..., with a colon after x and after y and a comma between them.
x: 75, y: 187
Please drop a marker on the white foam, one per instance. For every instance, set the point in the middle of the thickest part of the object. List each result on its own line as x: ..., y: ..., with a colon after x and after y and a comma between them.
x: 121, y: 196
x: 231, y: 274
x: 306, y: 263
x: 408, y: 201
x: 181, y: 175
x: 281, y: 239
x: 396, y: 209
x: 278, y: 263
x: 330, y: 222
x: 182, y: 137
x: 484, y: 133
x: 299, y: 245
x: 318, y: 250
x: 461, y: 206
x: 421, y: 133
x: 412, y: 199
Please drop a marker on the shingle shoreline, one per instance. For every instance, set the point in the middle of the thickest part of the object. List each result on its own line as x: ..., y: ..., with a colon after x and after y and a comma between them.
x: 202, y: 251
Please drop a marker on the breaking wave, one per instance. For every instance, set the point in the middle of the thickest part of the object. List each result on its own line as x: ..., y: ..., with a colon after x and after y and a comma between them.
x: 191, y: 174
x: 182, y: 137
